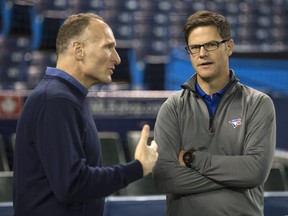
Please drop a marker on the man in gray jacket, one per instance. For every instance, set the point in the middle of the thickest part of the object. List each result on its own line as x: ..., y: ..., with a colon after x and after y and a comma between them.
x: 216, y: 137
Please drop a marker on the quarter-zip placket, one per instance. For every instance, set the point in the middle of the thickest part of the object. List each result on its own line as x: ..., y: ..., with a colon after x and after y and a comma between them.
x: 211, y: 118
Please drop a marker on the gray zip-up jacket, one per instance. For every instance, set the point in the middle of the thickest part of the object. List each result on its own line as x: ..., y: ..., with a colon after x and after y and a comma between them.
x: 234, y: 153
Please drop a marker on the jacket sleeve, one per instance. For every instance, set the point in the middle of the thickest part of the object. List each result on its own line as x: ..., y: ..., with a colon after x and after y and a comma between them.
x: 251, y: 168
x: 60, y: 137
x: 168, y: 175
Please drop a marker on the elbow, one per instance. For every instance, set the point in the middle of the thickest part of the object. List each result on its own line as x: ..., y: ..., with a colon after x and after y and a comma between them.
x: 166, y: 185
x: 256, y: 178
x: 159, y: 185
x: 63, y: 196
x: 162, y: 185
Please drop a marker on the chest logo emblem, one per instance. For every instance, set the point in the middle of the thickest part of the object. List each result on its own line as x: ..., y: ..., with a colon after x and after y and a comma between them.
x: 235, y: 122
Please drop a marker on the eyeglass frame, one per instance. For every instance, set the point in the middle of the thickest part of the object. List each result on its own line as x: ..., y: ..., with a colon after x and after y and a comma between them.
x: 188, y: 49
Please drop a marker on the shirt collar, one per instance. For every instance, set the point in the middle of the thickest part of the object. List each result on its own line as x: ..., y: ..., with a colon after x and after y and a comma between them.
x: 62, y: 74
x: 221, y: 92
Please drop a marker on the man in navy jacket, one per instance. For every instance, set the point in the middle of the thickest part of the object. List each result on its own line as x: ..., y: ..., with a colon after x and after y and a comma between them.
x: 58, y: 169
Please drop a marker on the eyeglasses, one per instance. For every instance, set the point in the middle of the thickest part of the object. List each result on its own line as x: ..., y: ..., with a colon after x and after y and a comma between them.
x: 214, y: 45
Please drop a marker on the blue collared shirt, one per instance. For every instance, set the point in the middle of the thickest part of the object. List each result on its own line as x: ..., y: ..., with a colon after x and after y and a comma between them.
x: 59, y: 73
x: 212, y: 100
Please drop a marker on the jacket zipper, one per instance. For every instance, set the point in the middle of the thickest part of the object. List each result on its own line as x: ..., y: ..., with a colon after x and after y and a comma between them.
x: 211, y: 123
x: 211, y: 119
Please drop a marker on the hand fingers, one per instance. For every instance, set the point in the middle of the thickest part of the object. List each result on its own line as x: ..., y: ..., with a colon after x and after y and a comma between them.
x: 144, y: 135
x: 154, y: 148
x: 154, y: 145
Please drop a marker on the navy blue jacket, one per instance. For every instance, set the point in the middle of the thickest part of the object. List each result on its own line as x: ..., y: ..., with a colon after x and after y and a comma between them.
x: 57, y: 166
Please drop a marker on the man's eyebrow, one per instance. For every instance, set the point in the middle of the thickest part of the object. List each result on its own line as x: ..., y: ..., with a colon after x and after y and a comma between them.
x: 203, y: 43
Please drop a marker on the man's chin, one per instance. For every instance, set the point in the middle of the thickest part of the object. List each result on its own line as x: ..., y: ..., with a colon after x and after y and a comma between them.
x: 105, y: 81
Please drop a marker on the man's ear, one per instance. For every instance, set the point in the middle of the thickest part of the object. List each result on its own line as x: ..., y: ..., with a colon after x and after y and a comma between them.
x: 230, y: 47
x: 78, y: 50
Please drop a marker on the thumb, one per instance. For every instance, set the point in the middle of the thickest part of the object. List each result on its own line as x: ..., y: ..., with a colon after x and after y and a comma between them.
x: 144, y: 135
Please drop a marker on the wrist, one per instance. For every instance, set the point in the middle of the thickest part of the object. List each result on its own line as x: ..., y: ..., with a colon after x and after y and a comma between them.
x: 188, y: 158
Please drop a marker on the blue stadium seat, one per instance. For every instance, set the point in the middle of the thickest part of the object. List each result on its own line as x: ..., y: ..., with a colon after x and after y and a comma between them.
x: 123, y: 5
x: 96, y: 6
x: 1, y: 14
x: 215, y: 6
x: 151, y: 31
x: 162, y: 6
x: 16, y: 43
x: 16, y: 46
x: 151, y: 46
x: 53, y: 5
x: 135, y: 205
x: 13, y: 67
x: 45, y: 30
x: 39, y: 61
x: 122, y: 24
x: 176, y: 36
x: 50, y: 14
x: 17, y: 19
x: 145, y: 29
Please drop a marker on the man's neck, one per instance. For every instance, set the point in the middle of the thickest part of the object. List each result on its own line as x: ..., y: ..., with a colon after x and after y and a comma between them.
x: 212, y: 86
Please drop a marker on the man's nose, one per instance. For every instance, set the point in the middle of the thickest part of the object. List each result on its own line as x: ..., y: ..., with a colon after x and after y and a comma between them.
x: 116, y: 58
x: 203, y: 51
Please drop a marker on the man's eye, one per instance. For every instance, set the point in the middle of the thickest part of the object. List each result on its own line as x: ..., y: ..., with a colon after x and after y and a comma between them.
x: 194, y: 47
x: 209, y: 45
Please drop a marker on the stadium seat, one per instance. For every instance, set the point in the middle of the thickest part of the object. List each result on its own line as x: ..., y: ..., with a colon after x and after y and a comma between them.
x: 1, y: 14
x: 144, y: 186
x: 163, y: 6
x: 177, y: 21
x: 40, y: 59
x: 152, y: 46
x: 216, y: 6
x: 16, y: 34
x: 6, y: 186
x: 4, y: 165
x: 147, y: 69
x: 13, y: 65
x: 46, y: 29
x: 135, y: 205
x: 112, y: 149
x: 51, y: 5
x: 123, y: 5
x: 278, y: 176
x: 133, y: 139
x: 277, y: 179
x: 112, y: 152
x: 96, y: 6
x: 18, y: 19
x: 122, y: 24
x: 12, y: 140
x: 154, y: 73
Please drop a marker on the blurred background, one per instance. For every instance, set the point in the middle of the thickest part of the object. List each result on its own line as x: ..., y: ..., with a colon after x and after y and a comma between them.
x: 154, y: 64
x: 149, y: 40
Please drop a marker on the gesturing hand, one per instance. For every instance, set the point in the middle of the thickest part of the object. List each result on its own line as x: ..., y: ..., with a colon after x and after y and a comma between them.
x: 147, y: 155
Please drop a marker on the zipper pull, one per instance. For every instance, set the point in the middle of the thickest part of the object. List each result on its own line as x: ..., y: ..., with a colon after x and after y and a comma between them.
x: 211, y: 125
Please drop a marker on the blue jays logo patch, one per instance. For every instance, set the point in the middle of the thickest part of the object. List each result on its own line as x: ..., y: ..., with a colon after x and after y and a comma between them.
x: 235, y: 122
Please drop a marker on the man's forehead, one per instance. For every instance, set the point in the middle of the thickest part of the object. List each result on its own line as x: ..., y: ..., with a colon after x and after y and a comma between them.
x: 203, y: 34
x: 101, y: 30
